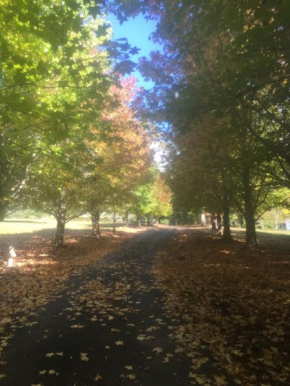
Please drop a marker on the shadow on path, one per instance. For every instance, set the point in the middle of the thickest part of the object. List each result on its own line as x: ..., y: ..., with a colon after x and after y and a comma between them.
x: 109, y: 328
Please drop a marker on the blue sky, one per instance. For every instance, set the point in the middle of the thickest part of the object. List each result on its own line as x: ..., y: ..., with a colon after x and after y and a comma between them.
x: 137, y: 31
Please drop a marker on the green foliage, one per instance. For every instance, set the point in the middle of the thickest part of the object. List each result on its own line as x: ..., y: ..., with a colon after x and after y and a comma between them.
x: 222, y: 83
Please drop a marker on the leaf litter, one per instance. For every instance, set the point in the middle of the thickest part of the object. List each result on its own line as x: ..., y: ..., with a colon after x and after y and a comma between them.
x: 232, y: 306
x: 41, y: 273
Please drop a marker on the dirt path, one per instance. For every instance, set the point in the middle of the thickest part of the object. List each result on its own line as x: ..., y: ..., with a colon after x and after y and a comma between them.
x: 108, y: 328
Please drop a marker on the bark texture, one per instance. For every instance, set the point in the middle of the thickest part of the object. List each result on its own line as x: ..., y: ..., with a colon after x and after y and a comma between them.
x: 251, y: 238
x: 96, y: 232
x: 60, y: 226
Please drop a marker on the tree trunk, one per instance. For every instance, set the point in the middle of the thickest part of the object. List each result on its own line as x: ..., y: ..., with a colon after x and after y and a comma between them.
x: 251, y: 239
x: 227, y: 237
x: 213, y: 222
x: 227, y: 229
x: 114, y: 222
x: 3, y: 211
x: 241, y: 220
x: 96, y: 232
x: 219, y: 221
x: 127, y: 219
x: 59, y: 235
x: 138, y: 221
x: 60, y: 227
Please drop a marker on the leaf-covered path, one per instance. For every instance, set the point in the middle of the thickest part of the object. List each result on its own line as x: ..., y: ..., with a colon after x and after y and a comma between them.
x: 109, y: 327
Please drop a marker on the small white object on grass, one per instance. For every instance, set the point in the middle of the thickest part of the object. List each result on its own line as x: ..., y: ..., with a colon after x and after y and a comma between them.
x: 12, y: 254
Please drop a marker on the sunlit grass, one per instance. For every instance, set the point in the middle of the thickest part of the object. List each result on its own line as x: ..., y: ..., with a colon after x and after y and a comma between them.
x: 269, y: 231
x: 17, y: 226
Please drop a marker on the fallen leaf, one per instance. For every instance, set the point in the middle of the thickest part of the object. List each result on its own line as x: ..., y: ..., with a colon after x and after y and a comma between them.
x: 53, y: 372
x: 84, y: 356
x: 98, y: 377
x: 158, y: 350
x: 129, y: 368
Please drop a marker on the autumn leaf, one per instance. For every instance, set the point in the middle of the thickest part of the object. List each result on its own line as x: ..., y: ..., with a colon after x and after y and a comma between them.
x: 84, y: 356
x: 53, y: 372
x: 131, y: 377
x: 129, y: 368
x: 158, y: 350
x: 220, y: 380
x: 76, y: 326
x: 98, y: 378
x: 119, y: 343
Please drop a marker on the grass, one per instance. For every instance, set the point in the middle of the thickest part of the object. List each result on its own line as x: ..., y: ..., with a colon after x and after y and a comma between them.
x: 17, y: 226
x: 267, y: 231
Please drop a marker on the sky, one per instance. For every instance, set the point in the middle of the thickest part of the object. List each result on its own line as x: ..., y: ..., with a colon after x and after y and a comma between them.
x: 137, y: 31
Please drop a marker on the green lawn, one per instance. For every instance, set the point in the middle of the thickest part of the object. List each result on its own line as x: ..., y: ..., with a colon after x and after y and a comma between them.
x: 267, y: 231
x: 16, y: 226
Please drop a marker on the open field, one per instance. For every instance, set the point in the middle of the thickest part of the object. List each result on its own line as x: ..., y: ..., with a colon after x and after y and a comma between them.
x: 16, y: 226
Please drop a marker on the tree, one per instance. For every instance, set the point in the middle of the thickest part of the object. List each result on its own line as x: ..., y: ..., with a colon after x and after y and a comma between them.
x: 55, y: 183
x: 231, y: 62
x: 124, y: 156
x: 162, y: 196
x: 54, y: 75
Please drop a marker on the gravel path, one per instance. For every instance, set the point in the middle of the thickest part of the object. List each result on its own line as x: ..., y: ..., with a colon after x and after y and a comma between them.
x: 108, y: 328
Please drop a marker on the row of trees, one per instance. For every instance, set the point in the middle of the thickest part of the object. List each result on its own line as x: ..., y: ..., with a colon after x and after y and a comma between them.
x: 69, y: 141
x: 222, y: 82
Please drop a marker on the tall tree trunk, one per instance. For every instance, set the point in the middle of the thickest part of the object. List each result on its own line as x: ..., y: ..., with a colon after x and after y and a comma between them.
x: 226, y: 211
x: 60, y: 226
x: 149, y: 221
x: 226, y: 222
x: 219, y: 221
x: 213, y: 222
x: 241, y: 220
x: 138, y: 218
x: 114, y: 222
x: 59, y: 234
x: 95, y: 216
x: 3, y: 211
x: 127, y: 219
x: 251, y: 238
